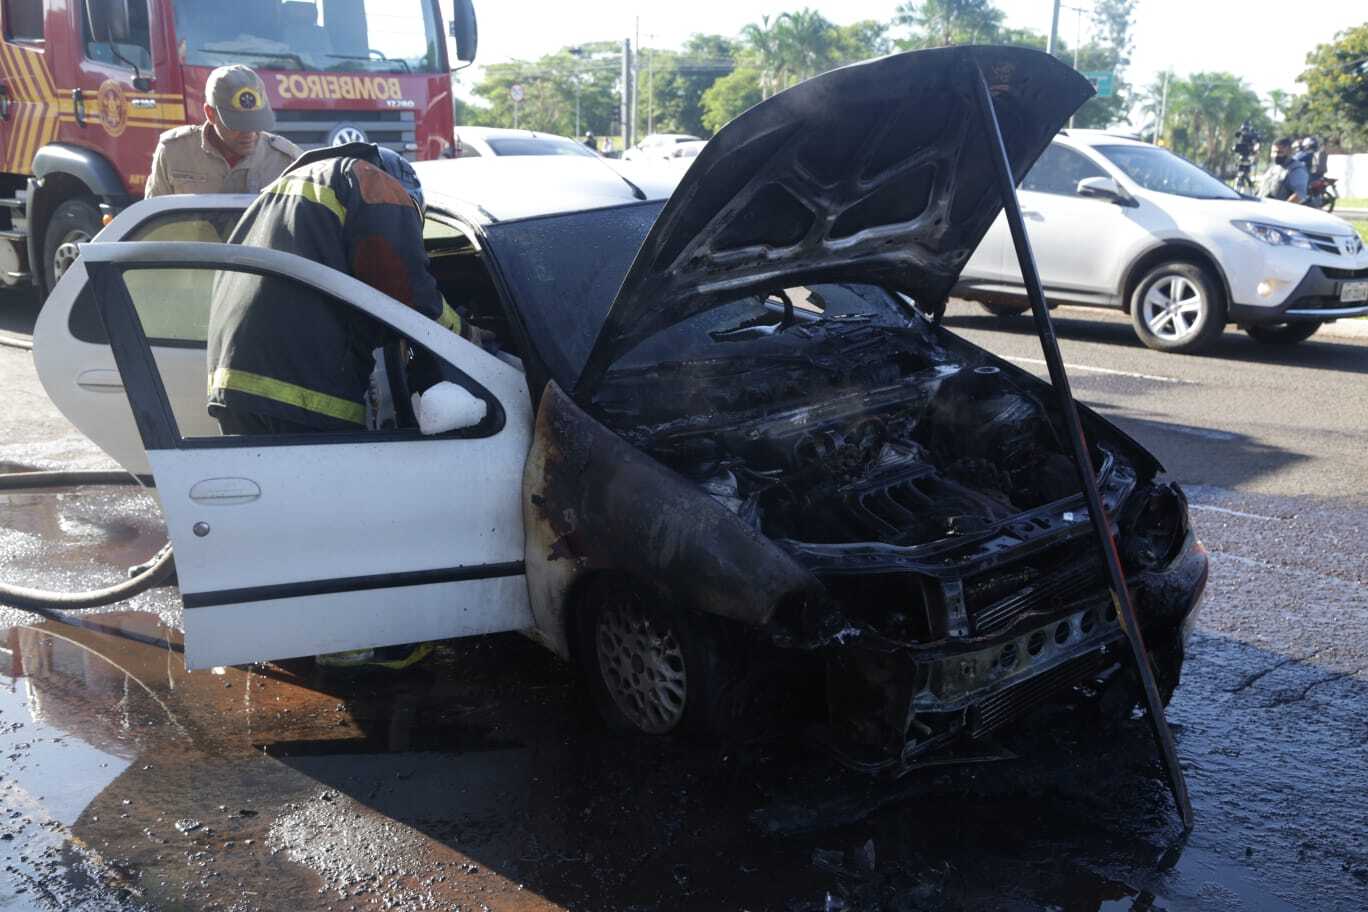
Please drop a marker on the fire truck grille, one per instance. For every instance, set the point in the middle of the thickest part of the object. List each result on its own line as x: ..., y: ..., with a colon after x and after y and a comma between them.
x: 314, y: 129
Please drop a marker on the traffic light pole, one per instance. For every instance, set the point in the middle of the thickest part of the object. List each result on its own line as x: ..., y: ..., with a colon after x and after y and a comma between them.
x: 1059, y: 379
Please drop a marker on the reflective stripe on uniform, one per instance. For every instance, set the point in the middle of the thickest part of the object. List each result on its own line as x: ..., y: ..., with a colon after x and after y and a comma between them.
x: 310, y: 400
x: 316, y: 193
x: 450, y: 318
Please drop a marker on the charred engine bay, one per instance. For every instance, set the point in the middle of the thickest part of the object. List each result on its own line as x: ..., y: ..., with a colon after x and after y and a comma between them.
x: 848, y: 430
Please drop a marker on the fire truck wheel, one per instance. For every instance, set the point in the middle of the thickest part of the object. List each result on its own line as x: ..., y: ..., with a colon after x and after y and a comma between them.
x: 73, y: 222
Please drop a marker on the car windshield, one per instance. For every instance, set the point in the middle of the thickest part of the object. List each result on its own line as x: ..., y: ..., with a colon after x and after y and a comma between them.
x: 383, y: 36
x: 1163, y: 172
x: 538, y: 145
x: 565, y: 270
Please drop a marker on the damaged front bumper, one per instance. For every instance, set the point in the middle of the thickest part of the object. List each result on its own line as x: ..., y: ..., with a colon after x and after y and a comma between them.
x: 894, y: 704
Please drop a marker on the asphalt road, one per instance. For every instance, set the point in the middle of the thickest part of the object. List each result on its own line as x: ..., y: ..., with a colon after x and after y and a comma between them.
x: 481, y: 781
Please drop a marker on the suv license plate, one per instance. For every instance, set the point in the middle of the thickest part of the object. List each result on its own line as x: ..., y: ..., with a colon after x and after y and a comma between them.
x: 1353, y: 291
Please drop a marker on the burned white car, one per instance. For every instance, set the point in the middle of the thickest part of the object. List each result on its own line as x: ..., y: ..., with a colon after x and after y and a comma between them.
x: 726, y: 463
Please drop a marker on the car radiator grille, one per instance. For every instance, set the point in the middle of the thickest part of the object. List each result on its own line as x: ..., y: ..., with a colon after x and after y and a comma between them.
x: 1055, y: 590
x: 1323, y: 242
x: 1012, y: 703
x: 309, y: 129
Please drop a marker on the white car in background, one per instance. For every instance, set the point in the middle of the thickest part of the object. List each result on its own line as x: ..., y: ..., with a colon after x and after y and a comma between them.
x: 682, y: 155
x: 1115, y: 222
x: 488, y: 142
x: 656, y: 147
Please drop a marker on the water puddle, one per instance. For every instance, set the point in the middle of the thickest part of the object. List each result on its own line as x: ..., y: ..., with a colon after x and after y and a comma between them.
x: 480, y: 778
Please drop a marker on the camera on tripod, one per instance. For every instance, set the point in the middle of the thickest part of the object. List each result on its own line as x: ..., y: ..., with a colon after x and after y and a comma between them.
x: 1247, y: 140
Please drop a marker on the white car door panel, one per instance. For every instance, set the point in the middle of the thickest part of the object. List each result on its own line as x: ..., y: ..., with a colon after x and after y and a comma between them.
x: 289, y: 546
x: 1077, y: 240
x: 986, y: 265
x: 72, y: 355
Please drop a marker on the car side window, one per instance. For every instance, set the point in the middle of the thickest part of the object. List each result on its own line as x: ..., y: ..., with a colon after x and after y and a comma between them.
x: 363, y: 403
x: 173, y: 304
x: 1058, y: 170
x: 131, y: 46
x: 465, y: 149
x: 24, y: 20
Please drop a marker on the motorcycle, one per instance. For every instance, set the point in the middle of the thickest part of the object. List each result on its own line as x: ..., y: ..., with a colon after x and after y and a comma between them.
x: 1320, y: 193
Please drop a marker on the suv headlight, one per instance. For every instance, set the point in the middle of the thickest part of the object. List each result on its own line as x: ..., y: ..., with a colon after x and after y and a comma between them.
x: 1277, y: 235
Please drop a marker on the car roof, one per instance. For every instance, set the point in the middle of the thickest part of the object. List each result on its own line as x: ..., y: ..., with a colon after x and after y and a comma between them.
x: 487, y: 190
x: 507, y: 133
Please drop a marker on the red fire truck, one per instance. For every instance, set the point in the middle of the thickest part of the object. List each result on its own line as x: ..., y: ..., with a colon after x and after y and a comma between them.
x: 86, y: 86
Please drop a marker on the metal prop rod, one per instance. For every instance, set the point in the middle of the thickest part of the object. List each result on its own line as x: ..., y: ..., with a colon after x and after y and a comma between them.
x: 1060, y: 380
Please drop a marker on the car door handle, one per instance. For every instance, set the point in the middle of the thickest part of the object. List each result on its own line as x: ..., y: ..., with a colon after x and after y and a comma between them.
x: 224, y: 492
x: 100, y: 381
x: 1032, y: 215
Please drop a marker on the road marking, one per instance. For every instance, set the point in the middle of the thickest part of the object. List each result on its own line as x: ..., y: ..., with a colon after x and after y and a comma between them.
x: 1104, y: 370
x: 1211, y: 509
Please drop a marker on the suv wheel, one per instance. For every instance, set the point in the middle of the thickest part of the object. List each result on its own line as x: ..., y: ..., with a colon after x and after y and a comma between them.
x: 1004, y: 311
x: 654, y: 668
x: 1178, y: 307
x: 1283, y: 333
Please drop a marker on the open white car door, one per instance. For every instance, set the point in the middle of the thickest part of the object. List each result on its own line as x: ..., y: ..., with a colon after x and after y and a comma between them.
x: 303, y: 544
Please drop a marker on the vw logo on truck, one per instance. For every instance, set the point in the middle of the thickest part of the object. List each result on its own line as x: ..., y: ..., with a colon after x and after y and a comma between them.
x: 346, y: 133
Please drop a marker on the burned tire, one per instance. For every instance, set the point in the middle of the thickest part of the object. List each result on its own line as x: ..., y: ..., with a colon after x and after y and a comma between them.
x: 1178, y: 307
x: 653, y: 667
x: 73, y: 222
x: 1003, y: 310
x: 1283, y: 333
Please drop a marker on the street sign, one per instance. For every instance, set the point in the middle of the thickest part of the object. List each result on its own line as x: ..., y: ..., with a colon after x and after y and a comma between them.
x: 517, y: 92
x: 1102, y: 80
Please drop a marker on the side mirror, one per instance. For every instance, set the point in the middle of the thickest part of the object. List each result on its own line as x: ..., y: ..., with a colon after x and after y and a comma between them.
x: 463, y: 30
x: 1104, y: 188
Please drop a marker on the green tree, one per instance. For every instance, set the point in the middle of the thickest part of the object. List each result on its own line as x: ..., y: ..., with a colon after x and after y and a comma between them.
x: 1335, y: 105
x: 808, y: 41
x: 730, y: 95
x: 673, y: 85
x: 1278, y: 101
x: 861, y: 40
x: 1204, y: 112
x: 765, y: 54
x: 1108, y: 52
x: 936, y: 23
x: 550, y: 86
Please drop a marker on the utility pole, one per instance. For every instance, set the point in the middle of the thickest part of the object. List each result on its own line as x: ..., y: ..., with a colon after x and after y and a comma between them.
x: 578, y: 54
x: 636, y: 67
x: 626, y: 94
x: 1078, y: 12
x: 1054, y: 30
x: 1163, y: 110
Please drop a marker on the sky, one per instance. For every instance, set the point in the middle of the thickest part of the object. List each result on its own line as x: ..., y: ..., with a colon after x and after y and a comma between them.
x: 1189, y: 36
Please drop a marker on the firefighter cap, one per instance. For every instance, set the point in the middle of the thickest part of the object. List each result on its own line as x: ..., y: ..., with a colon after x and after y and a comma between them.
x: 238, y: 96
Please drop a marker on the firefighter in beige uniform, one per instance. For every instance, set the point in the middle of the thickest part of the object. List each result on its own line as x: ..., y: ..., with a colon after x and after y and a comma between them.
x: 231, y: 152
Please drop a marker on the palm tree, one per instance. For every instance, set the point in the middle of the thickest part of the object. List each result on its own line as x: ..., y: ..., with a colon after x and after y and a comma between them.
x: 945, y: 22
x: 764, y: 42
x: 808, y: 40
x: 1278, y: 99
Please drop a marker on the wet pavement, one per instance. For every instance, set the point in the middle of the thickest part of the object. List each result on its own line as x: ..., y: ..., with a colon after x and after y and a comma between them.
x: 481, y: 780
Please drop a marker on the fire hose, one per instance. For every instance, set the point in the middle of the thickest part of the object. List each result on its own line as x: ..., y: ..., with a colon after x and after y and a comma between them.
x: 40, y: 601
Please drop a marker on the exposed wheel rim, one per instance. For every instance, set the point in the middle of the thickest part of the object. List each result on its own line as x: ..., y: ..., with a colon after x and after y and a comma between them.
x: 1173, y: 308
x: 642, y: 665
x: 66, y: 251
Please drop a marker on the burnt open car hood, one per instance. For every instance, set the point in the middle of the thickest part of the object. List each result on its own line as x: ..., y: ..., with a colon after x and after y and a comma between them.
x: 878, y: 172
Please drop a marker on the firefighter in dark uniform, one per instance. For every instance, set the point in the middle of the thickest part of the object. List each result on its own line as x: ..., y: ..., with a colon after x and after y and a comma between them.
x: 283, y: 359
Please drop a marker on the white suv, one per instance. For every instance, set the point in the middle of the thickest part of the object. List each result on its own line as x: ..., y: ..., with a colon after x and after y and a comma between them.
x: 1120, y: 223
